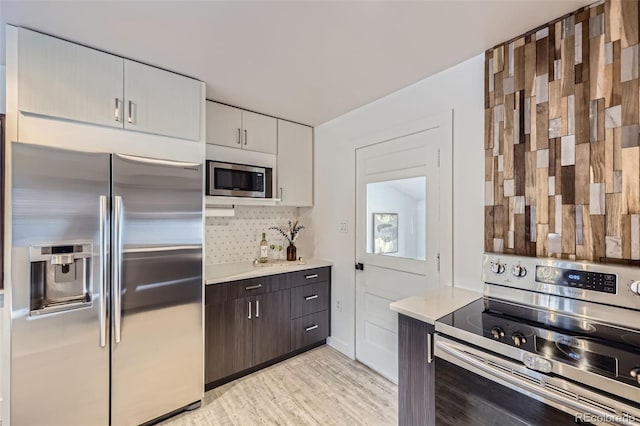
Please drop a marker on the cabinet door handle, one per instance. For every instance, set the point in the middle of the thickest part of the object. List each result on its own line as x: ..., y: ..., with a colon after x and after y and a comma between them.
x: 130, y: 117
x: 313, y: 327
x: 257, y: 309
x: 253, y: 287
x: 315, y: 296
x: 245, y: 137
x: 281, y: 193
x: 429, y: 348
x: 117, y: 111
x: 239, y: 136
x: 249, y: 316
x: 309, y: 277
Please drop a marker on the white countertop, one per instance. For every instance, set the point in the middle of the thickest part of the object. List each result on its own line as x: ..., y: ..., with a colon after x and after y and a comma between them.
x: 435, y: 304
x: 216, y: 274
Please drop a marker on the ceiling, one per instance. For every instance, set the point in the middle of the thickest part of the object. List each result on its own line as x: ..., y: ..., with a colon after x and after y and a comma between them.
x: 306, y: 61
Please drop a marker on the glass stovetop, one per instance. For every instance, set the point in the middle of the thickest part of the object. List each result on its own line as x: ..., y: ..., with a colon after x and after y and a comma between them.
x: 589, y: 345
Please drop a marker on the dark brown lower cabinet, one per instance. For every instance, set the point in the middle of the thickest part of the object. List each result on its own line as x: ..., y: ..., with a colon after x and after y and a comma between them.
x: 416, y: 384
x: 251, y: 322
x: 271, y: 338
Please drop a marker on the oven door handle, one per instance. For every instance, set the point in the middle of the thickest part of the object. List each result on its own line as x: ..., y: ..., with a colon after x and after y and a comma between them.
x: 465, y: 356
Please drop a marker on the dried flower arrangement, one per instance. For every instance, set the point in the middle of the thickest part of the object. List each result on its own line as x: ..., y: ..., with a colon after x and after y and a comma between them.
x: 291, y: 233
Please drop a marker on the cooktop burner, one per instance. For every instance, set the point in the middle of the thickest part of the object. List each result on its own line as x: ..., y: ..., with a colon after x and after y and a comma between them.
x: 588, y: 345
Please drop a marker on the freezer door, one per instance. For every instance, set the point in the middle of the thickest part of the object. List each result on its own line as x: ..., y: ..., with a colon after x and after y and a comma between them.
x: 59, y: 353
x: 157, y: 341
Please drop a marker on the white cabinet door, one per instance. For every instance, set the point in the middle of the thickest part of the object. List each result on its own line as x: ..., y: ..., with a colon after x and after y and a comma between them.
x: 161, y: 102
x: 62, y: 79
x: 224, y: 125
x: 260, y: 132
x: 295, y: 164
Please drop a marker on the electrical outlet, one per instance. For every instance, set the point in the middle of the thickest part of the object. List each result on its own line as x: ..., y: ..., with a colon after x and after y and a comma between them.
x: 344, y: 226
x: 339, y: 305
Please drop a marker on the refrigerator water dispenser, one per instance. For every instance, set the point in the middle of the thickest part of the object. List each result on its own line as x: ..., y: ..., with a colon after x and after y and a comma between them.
x: 60, y: 277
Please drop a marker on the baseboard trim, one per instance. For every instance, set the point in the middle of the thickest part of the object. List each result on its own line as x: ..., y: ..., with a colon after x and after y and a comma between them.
x: 341, y: 346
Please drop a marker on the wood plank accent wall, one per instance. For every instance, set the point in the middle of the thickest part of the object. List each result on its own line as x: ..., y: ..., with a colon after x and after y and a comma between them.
x: 562, y: 145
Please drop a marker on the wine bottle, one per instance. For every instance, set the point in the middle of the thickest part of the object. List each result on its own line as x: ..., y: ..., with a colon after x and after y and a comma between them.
x: 264, y: 249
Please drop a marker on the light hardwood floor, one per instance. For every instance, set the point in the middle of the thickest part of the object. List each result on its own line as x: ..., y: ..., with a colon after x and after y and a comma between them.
x: 319, y: 387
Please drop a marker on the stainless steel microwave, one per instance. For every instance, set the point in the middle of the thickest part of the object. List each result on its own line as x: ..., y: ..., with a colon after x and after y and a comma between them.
x: 238, y: 180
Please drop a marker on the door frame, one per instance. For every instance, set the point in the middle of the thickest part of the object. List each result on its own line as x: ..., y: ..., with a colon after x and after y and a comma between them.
x: 444, y: 121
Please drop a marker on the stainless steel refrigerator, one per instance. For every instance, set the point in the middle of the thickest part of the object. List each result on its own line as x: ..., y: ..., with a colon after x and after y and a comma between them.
x: 106, y: 287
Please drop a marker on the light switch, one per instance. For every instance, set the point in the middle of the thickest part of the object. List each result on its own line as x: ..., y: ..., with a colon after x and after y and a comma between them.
x: 344, y: 226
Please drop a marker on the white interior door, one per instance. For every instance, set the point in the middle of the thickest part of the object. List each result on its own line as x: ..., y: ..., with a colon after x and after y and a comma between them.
x: 399, y: 233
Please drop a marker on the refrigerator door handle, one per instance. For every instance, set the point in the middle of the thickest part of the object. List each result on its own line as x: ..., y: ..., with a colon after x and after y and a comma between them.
x: 103, y: 271
x: 117, y: 267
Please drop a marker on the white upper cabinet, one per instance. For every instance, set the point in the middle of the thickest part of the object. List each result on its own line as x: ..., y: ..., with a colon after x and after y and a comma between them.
x: 61, y: 79
x: 295, y: 164
x: 224, y: 125
x: 158, y: 101
x: 237, y: 128
x: 66, y: 80
x: 260, y: 132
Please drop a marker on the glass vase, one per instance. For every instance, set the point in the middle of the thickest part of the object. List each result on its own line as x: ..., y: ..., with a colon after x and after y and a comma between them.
x: 291, y: 252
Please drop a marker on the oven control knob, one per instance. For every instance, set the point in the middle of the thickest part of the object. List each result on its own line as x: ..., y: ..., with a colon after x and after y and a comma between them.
x: 497, y: 332
x: 519, y: 271
x: 635, y: 287
x: 497, y: 267
x: 635, y: 373
x: 518, y: 339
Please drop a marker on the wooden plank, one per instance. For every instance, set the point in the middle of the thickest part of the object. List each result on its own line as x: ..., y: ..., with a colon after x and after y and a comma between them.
x: 617, y: 148
x: 568, y: 65
x: 568, y: 185
x: 629, y: 22
x: 608, y: 161
x: 498, y: 92
x: 568, y: 228
x: 499, y: 217
x: 597, y: 162
x: 582, y: 113
x: 542, y: 56
x: 616, y: 88
x: 489, y: 165
x: 488, y: 128
x: 498, y: 59
x: 529, y: 170
x: 542, y: 240
x: 488, y: 228
x: 519, y: 234
x: 529, y: 68
x: 629, y: 102
x: 585, y: 250
x: 519, y: 168
x: 542, y: 126
x: 626, y: 239
x: 630, y: 181
x: 582, y: 174
x: 542, y: 195
x: 519, y: 73
x: 596, y: 67
x: 555, y: 106
x: 508, y: 154
x: 552, y: 214
x: 597, y: 235
x: 613, y: 207
x: 600, y: 118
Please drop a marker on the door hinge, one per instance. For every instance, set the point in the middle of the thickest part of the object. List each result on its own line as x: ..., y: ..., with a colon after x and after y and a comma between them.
x: 438, y: 262
x: 438, y: 158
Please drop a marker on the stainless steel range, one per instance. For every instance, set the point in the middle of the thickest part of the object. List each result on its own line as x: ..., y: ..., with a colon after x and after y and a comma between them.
x: 565, y: 335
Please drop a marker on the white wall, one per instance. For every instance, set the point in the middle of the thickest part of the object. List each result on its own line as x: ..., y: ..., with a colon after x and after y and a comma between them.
x: 461, y: 89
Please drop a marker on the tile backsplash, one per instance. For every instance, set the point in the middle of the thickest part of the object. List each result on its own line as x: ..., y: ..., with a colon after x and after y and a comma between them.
x: 237, y: 239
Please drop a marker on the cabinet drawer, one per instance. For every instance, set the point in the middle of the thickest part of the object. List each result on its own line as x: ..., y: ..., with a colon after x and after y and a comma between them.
x: 255, y: 286
x: 309, y: 329
x: 309, y: 299
x: 310, y: 276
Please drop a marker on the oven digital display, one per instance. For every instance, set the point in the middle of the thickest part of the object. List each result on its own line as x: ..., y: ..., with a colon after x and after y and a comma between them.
x: 570, y: 350
x: 595, y: 281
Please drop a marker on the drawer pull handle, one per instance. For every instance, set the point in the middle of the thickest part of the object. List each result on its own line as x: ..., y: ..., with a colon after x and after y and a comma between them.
x: 315, y: 296
x: 253, y: 287
x: 313, y: 327
x: 309, y: 277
